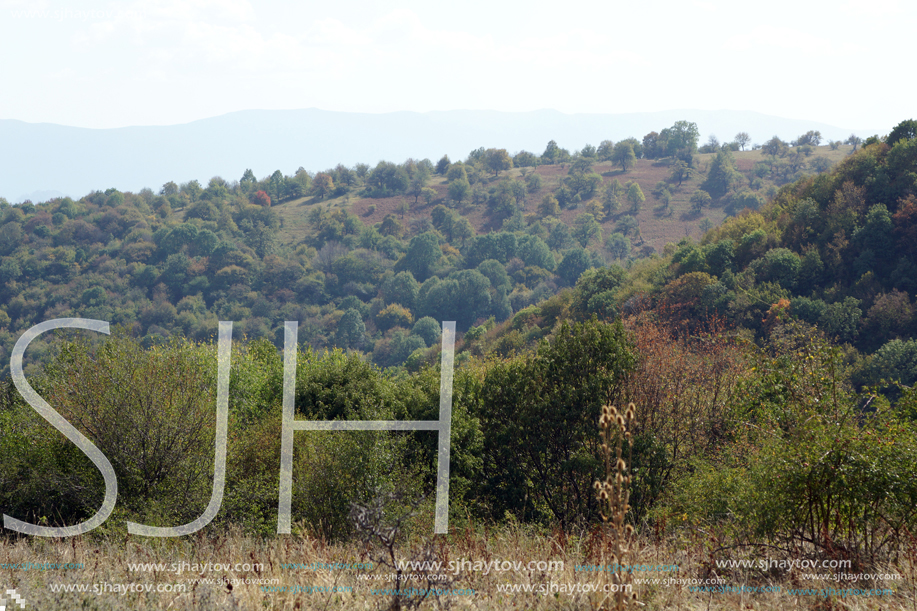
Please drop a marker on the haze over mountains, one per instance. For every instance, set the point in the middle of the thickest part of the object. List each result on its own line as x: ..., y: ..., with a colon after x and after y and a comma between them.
x: 42, y: 160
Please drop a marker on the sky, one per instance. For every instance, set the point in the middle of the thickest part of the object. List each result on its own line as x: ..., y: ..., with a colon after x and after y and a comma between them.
x: 162, y: 62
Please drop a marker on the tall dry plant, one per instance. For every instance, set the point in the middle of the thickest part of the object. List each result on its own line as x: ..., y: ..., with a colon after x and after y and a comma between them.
x: 614, y: 492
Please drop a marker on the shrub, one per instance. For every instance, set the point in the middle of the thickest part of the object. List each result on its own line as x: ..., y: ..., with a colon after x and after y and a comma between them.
x: 806, y: 467
x: 152, y: 414
x: 540, y: 443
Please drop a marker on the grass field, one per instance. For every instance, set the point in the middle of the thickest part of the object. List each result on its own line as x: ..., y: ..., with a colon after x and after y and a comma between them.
x: 658, y: 227
x: 563, y: 566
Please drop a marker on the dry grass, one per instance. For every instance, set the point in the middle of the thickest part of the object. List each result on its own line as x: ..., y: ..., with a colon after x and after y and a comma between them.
x: 658, y: 226
x: 106, y: 560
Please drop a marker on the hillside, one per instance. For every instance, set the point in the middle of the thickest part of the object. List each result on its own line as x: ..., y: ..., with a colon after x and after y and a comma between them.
x: 833, y: 252
x: 658, y: 226
x: 746, y: 396
x: 383, y: 249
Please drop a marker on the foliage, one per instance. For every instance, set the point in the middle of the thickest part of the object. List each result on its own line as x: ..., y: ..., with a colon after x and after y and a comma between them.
x: 722, y: 174
x: 547, y: 470
x: 496, y: 160
x: 635, y: 196
x: 575, y: 262
x: 594, y: 293
x: 623, y: 154
x: 151, y: 412
x: 809, y: 468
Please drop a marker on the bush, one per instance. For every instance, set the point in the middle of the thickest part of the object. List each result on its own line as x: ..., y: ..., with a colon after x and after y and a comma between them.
x: 427, y: 329
x: 151, y: 413
x: 537, y: 413
x: 806, y: 467
x: 331, y: 470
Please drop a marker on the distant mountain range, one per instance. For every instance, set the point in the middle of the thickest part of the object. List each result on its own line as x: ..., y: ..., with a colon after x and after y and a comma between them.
x: 42, y: 160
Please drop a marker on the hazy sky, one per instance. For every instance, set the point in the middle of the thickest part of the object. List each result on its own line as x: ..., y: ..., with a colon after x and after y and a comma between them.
x: 157, y: 62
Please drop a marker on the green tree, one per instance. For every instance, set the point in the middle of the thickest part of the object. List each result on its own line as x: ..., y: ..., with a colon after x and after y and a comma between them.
x: 457, y: 171
x: 635, y: 196
x: 841, y: 319
x: 351, y: 331
x: 810, y: 138
x: 149, y: 411
x: 390, y: 226
x: 422, y: 255
x: 611, y: 197
x: 712, y: 146
x: 496, y: 160
x: 895, y: 361
x: 561, y: 387
x: 681, y: 171
x: 549, y: 206
x: 624, y: 154
x: 652, y: 147
x: 560, y: 237
x: 427, y: 329
x: 462, y: 230
x: 533, y: 183
x: 574, y: 263
x: 700, y: 199
x: 618, y: 245
x: 525, y: 159
x: 417, y: 186
x: 628, y: 225
x: 322, y: 185
x: 742, y: 139
x: 459, y: 190
x: 582, y: 165
x: 551, y: 152
x: 746, y: 199
x: 11, y: 236
x: 594, y: 293
x: 402, y: 289
x: 774, y: 147
x: 681, y: 140
x: 722, y: 174
x: 494, y: 271
x: 586, y: 228
x: 500, y: 246
x: 394, y: 315
x: 820, y: 164
x: 534, y: 252
x: 876, y: 236
x: 387, y: 179
x: 428, y: 195
x: 605, y: 150
x: 464, y: 296
x: 906, y: 130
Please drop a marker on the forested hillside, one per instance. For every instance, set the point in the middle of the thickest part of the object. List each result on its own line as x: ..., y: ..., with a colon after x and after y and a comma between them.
x: 770, y: 365
x: 835, y: 251
x: 371, y: 258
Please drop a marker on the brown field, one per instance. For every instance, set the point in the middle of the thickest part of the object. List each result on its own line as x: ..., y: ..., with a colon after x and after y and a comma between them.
x: 657, y: 227
x: 693, y: 551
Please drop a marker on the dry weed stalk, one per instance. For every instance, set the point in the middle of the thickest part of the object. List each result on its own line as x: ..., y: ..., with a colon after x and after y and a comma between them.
x: 615, y: 493
x: 382, y: 534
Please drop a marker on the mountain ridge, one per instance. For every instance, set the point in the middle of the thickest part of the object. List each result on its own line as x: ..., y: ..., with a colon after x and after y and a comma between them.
x: 54, y: 159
